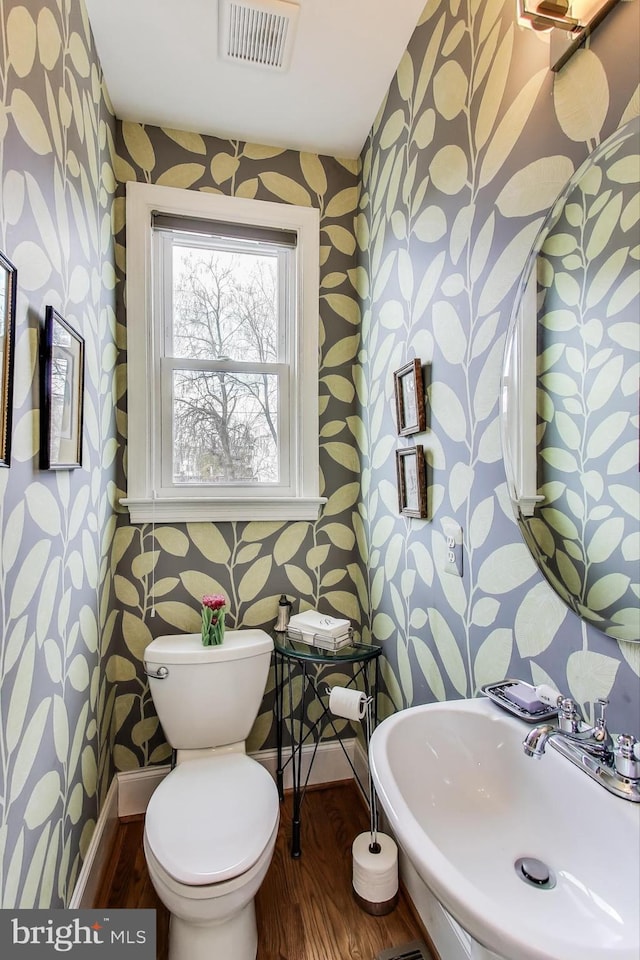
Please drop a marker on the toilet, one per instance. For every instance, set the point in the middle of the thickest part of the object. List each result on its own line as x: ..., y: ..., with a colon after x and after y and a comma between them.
x: 211, y: 825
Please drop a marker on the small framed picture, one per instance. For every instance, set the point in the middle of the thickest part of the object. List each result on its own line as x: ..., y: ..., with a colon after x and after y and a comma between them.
x: 409, y: 394
x: 412, y: 482
x: 8, y: 277
x: 61, y: 394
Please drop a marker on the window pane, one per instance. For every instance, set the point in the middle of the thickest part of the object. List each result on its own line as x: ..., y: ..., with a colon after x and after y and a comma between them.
x: 224, y: 304
x: 225, y: 427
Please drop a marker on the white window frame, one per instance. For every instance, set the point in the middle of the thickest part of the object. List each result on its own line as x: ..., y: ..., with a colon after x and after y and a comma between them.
x: 147, y: 499
x: 164, y: 243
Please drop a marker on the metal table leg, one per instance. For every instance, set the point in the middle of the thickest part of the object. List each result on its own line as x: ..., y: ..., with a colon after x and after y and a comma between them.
x: 279, y: 670
x: 296, y: 750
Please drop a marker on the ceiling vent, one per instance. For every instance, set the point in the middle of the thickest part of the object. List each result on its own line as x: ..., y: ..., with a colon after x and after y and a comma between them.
x: 258, y: 32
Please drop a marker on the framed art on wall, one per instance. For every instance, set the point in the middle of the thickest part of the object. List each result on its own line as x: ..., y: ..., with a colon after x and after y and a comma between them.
x: 412, y: 482
x: 409, y: 394
x: 61, y: 394
x: 8, y: 276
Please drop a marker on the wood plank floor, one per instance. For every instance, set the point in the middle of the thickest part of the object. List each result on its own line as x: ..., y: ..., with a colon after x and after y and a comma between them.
x: 305, y: 908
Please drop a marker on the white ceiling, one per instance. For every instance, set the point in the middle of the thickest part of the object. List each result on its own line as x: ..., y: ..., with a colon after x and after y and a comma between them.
x: 161, y: 66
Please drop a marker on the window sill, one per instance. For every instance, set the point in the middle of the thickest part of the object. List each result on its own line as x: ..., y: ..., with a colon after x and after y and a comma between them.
x: 206, y: 509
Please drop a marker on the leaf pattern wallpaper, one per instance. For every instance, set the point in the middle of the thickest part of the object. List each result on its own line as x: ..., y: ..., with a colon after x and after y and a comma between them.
x: 56, y: 194
x: 422, y: 243
x: 161, y: 573
x: 586, y: 534
x: 470, y: 150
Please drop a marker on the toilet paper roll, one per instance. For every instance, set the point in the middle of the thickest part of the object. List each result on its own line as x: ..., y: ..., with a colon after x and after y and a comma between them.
x: 375, y: 875
x: 350, y: 704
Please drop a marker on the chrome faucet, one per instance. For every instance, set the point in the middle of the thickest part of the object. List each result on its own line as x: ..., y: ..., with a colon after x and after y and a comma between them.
x: 592, y: 749
x: 595, y: 740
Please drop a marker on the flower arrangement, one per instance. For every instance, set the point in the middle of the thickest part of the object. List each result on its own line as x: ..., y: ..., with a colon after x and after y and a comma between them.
x: 213, y: 611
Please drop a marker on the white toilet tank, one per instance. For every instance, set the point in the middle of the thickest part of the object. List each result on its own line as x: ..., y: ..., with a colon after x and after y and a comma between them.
x: 208, y: 696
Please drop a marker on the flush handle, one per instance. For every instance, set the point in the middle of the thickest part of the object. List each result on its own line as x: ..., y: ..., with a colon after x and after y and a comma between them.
x: 160, y: 674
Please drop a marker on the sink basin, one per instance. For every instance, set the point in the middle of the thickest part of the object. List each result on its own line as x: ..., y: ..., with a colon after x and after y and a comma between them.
x: 466, y: 804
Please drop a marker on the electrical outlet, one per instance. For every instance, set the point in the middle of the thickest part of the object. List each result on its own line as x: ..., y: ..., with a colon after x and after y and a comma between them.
x: 453, y: 556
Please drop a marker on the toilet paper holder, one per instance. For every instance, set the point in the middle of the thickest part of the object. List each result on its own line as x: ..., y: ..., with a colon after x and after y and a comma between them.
x: 374, y: 846
x: 328, y: 689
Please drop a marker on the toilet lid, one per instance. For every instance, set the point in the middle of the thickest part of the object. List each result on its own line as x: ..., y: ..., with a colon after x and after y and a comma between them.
x: 211, y: 818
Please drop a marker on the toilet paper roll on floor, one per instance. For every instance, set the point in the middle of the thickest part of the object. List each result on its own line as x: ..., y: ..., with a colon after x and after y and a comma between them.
x: 375, y: 875
x: 350, y: 704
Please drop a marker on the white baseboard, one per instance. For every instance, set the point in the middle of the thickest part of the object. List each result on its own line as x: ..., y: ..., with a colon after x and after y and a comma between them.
x: 329, y: 764
x: 135, y: 788
x: 98, y: 852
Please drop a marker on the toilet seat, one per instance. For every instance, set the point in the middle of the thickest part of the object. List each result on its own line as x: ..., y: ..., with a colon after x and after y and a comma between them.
x: 211, y: 818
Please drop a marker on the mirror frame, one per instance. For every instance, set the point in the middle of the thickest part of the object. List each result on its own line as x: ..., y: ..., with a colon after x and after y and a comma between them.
x: 8, y: 349
x: 516, y: 447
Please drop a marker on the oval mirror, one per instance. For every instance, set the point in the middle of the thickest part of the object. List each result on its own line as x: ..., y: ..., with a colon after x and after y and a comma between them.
x: 570, y: 391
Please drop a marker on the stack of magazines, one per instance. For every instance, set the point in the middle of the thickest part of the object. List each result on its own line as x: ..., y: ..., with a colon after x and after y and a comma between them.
x: 320, y: 630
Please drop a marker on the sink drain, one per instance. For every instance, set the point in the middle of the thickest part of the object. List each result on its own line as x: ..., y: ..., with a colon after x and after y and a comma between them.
x: 535, y: 872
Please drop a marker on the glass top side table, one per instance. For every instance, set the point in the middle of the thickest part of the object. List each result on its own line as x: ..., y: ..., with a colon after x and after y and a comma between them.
x: 295, y: 658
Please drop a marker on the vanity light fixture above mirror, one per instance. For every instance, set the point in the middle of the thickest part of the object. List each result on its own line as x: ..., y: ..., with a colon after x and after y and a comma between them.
x: 570, y: 23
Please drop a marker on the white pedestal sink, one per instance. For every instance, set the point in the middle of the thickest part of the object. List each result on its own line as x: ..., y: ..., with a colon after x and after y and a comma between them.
x: 466, y: 805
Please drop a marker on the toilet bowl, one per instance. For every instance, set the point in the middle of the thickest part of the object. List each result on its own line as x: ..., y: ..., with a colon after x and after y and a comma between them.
x: 206, y: 924
x: 211, y: 824
x: 209, y: 835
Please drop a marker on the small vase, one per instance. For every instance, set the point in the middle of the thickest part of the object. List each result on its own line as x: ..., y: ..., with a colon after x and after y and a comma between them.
x: 212, y: 627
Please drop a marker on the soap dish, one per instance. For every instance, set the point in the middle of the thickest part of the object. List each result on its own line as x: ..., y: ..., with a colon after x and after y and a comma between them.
x: 498, y: 693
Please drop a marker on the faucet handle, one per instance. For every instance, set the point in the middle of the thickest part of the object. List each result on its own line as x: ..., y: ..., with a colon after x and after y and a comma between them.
x: 568, y: 719
x: 627, y: 757
x: 601, y: 721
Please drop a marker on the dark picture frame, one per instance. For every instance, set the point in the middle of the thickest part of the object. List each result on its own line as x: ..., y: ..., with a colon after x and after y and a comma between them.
x: 412, y: 482
x: 8, y: 288
x: 409, y: 395
x: 61, y: 394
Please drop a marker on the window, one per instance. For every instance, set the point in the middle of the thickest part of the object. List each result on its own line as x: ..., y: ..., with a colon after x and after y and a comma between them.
x: 222, y: 368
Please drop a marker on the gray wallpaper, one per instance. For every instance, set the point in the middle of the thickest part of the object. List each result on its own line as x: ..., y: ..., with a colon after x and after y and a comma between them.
x: 422, y: 245
x: 586, y: 533
x: 56, y: 194
x: 161, y: 574
x: 474, y: 142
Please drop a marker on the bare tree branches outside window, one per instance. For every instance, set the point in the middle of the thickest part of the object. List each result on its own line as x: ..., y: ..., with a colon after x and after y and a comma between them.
x: 225, y: 419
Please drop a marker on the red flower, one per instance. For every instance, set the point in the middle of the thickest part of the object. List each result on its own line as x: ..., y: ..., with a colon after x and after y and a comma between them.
x: 214, y: 602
